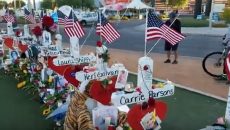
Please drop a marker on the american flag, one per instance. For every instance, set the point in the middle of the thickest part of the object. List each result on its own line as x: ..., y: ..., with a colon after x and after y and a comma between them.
x: 61, y: 17
x: 8, y: 17
x: 106, y: 30
x: 29, y: 16
x: 72, y: 26
x: 157, y: 29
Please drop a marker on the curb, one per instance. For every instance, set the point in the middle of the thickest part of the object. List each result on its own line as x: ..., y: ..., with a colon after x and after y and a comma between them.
x: 190, y: 89
x: 214, y: 35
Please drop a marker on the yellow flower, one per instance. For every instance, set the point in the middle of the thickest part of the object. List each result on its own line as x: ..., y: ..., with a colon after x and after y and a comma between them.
x: 21, y: 84
x: 46, y: 111
x: 25, y: 71
x: 50, y: 79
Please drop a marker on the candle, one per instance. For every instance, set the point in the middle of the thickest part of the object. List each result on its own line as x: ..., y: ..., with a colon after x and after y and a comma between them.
x: 107, y: 121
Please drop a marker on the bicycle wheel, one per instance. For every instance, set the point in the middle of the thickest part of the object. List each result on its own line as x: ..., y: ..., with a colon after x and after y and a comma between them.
x: 213, y: 64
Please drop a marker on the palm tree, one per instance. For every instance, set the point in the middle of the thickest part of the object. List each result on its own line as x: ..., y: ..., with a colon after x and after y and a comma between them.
x: 208, y: 7
x: 197, y: 10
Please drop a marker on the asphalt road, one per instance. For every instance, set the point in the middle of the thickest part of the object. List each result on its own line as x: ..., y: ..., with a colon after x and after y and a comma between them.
x: 132, y: 38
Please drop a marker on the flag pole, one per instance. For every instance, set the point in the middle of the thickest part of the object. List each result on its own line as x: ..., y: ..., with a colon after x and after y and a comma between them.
x: 100, y: 24
x: 146, y: 24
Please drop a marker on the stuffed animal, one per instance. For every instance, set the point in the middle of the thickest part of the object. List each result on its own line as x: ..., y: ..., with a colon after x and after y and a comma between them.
x: 78, y: 117
x: 74, y: 47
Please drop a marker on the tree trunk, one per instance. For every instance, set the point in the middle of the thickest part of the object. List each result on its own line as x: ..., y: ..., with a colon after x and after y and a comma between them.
x: 153, y: 3
x: 208, y: 7
x: 197, y: 10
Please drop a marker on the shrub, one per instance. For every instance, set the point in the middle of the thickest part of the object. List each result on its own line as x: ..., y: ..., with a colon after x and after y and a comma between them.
x: 226, y: 15
x: 124, y: 18
x: 219, y: 25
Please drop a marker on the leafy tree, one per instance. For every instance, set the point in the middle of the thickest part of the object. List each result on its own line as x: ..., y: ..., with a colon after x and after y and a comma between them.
x: 208, y: 7
x: 46, y: 4
x: 49, y: 4
x: 197, y: 10
x: 2, y: 4
x: 19, y: 4
x: 73, y: 3
x: 88, y: 4
x: 177, y: 3
x: 226, y: 15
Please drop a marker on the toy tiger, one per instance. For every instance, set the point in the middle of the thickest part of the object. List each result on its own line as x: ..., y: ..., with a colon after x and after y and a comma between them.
x: 78, y: 117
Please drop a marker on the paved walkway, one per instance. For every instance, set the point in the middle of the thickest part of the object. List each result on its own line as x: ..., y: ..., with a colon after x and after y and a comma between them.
x: 188, y: 72
x: 196, y: 30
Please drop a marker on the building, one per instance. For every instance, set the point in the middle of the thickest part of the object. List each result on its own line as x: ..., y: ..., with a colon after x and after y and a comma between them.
x: 162, y: 6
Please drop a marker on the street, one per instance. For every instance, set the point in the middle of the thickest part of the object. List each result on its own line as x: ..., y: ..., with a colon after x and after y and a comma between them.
x: 132, y: 38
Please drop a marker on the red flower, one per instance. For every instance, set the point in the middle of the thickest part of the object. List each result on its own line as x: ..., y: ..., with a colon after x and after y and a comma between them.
x: 17, y: 33
x: 151, y: 101
x: 47, y: 21
x: 99, y: 43
x: 146, y: 67
x: 37, y: 31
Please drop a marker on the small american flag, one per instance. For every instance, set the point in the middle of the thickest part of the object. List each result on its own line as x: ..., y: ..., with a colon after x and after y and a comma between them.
x: 29, y: 16
x: 72, y: 26
x: 8, y: 17
x: 157, y: 29
x: 106, y: 30
x: 61, y: 17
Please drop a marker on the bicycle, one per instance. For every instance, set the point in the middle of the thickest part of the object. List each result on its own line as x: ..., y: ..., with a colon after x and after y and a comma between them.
x: 213, y: 63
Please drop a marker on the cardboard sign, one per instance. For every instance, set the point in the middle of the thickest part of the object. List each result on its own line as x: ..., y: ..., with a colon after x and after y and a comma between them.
x: 167, y: 90
x: 118, y: 99
x: 122, y: 79
x: 82, y: 76
x: 74, y: 61
x: 55, y: 53
x: 135, y: 97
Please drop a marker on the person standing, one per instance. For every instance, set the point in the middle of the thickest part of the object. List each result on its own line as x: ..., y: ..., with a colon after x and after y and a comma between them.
x: 176, y: 25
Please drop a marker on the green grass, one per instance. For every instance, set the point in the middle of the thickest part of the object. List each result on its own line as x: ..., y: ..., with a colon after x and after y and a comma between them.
x: 186, y: 110
x: 190, y: 111
x: 191, y: 22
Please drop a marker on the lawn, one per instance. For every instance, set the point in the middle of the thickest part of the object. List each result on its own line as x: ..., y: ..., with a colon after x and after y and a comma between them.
x: 186, y: 110
x: 191, y: 22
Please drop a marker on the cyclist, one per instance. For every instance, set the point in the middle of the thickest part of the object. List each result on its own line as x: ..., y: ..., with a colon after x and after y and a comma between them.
x: 226, y: 42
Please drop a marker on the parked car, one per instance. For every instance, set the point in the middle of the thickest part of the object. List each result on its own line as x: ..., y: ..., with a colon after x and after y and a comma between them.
x: 87, y: 18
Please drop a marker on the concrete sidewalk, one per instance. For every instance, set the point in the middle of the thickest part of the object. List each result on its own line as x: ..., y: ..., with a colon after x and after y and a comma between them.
x: 195, y: 30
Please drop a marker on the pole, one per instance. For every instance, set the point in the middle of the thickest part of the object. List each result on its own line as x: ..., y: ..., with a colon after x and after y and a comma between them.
x: 15, y: 5
x: 146, y: 25
x: 99, y: 14
x: 34, y: 5
x: 210, y: 15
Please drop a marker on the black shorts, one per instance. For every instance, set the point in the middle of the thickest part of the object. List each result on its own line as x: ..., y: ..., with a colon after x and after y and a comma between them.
x: 169, y: 47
